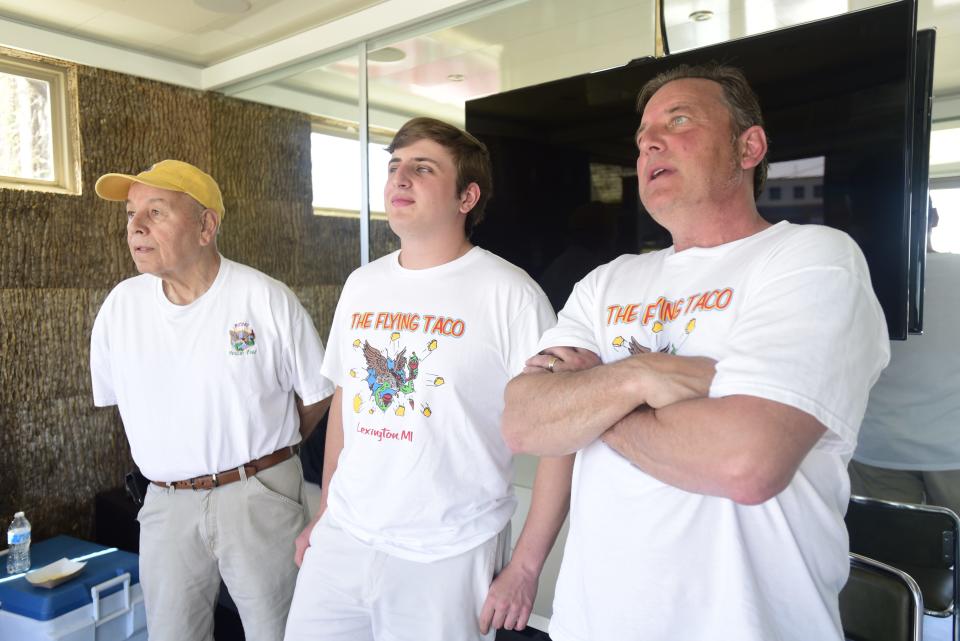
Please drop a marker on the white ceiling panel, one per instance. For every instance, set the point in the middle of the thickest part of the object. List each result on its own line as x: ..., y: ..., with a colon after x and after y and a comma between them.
x: 57, y: 14
x: 135, y: 31
x: 181, y: 25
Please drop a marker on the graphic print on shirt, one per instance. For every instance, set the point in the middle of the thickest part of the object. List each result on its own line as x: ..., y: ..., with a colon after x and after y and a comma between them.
x: 391, y: 377
x: 659, y: 317
x: 243, y: 340
x: 634, y: 347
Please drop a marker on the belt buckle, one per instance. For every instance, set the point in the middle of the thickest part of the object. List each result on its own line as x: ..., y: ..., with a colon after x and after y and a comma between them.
x: 215, y: 480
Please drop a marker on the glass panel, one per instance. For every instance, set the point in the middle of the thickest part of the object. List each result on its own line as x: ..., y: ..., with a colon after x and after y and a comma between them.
x: 330, y: 92
x: 697, y: 23
x: 523, y: 44
x: 26, y: 128
x: 333, y: 234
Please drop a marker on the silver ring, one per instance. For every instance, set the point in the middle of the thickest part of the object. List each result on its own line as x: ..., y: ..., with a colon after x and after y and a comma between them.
x: 551, y: 363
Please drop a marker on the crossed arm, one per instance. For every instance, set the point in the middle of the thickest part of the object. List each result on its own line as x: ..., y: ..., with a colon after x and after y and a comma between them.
x: 653, y: 409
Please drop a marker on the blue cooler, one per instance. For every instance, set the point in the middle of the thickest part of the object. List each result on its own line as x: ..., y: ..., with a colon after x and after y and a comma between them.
x: 103, y: 602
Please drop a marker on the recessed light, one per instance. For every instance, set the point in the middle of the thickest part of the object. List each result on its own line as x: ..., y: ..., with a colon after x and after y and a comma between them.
x: 701, y: 16
x: 387, y: 54
x: 224, y: 6
x: 456, y: 77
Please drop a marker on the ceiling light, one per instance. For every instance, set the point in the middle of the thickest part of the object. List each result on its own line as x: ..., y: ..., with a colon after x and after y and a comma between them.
x: 224, y: 6
x: 387, y: 54
x: 701, y: 16
x: 456, y: 77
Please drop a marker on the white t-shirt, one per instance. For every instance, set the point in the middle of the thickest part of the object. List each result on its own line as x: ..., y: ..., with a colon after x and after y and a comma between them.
x: 913, y: 416
x: 423, y: 357
x: 208, y: 386
x: 790, y: 316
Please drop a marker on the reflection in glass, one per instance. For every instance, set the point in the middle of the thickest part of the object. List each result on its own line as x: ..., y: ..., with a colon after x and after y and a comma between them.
x: 734, y: 19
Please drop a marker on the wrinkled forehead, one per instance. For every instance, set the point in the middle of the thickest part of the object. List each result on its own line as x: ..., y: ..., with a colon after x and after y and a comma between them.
x: 140, y: 193
x: 695, y: 92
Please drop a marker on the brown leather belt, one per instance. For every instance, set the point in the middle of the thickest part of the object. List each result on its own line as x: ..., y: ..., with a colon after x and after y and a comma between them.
x: 210, y: 481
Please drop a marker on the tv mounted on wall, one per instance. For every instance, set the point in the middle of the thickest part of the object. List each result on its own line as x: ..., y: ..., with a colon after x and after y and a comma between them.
x: 846, y: 103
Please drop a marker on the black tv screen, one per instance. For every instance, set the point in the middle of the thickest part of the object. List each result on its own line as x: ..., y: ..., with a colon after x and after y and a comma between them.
x: 839, y: 99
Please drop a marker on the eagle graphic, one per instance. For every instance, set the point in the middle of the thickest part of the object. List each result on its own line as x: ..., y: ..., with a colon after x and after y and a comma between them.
x: 635, y: 348
x: 388, y: 376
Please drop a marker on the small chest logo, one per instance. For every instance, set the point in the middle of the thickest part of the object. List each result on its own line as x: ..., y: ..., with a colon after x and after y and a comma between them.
x: 243, y: 340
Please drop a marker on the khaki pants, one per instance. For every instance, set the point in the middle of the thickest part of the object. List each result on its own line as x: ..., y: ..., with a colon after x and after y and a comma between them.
x: 243, y: 532
x: 907, y: 486
x: 348, y: 591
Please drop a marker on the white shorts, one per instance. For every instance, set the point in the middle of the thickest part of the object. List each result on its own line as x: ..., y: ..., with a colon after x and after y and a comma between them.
x: 348, y: 591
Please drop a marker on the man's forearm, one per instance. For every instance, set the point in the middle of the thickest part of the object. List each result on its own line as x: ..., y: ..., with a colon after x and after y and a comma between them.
x: 332, y: 447
x: 548, y: 509
x: 740, y: 447
x: 560, y: 413
x: 511, y: 596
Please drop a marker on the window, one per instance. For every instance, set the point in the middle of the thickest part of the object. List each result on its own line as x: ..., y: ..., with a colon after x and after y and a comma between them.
x: 945, y: 237
x: 818, y: 192
x: 799, y: 192
x: 774, y: 193
x: 39, y: 137
x: 335, y: 154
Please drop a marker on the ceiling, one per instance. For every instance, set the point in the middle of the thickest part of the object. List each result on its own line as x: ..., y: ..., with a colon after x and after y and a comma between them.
x: 301, y: 54
x: 181, y: 30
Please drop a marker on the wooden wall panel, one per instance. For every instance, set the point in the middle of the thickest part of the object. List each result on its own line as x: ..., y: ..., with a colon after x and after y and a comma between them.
x: 321, y: 302
x: 382, y: 240
x: 45, y: 343
x: 57, y: 454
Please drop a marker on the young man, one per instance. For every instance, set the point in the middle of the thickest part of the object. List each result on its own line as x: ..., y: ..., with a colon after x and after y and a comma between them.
x: 713, y: 440
x: 417, y: 495
x: 205, y: 358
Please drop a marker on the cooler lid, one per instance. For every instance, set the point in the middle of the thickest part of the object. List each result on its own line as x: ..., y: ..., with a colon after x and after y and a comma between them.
x: 42, y: 604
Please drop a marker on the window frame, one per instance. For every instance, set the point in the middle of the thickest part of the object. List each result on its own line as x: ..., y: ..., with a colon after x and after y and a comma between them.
x: 62, y: 80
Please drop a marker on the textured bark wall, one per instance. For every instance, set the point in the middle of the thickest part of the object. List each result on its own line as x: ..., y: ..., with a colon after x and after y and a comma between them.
x: 60, y: 255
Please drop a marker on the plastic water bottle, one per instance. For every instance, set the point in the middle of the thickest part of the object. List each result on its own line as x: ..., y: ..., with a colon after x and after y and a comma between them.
x: 18, y: 542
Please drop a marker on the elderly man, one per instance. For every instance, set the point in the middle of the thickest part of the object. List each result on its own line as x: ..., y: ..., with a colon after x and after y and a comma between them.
x: 205, y: 358
x: 416, y: 494
x: 709, y: 488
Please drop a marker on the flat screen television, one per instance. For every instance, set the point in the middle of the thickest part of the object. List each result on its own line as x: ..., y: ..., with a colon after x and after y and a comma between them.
x: 844, y: 101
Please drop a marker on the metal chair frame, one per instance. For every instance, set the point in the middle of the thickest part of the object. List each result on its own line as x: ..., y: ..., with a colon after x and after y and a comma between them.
x: 864, y: 567
x: 948, y: 546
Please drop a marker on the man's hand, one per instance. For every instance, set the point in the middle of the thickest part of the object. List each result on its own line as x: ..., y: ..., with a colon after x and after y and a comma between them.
x: 668, y: 379
x: 302, y: 541
x: 509, y: 600
x: 561, y: 359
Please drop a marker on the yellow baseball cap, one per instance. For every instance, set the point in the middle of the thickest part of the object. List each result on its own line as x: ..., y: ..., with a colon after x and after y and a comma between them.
x: 174, y: 175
